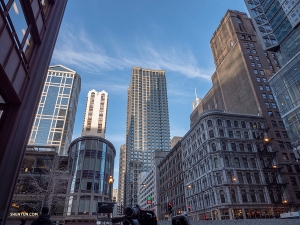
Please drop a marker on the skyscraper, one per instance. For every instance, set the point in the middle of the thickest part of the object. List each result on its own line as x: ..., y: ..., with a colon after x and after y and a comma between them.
x: 147, y: 125
x: 240, y: 85
x: 122, y: 168
x: 282, y: 18
x: 55, y: 117
x: 94, y: 123
x: 28, y: 34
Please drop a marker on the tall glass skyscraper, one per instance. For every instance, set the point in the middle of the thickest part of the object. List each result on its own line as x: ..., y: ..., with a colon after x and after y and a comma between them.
x: 54, y: 120
x: 147, y: 125
x: 280, y: 20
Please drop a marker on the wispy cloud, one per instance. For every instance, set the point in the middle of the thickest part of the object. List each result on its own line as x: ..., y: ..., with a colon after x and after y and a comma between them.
x: 76, y: 49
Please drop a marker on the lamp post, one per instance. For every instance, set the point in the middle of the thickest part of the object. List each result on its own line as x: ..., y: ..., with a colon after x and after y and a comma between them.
x: 110, y: 182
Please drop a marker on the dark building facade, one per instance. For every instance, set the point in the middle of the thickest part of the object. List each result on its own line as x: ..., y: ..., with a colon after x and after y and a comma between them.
x: 91, y: 160
x: 171, y: 184
x: 28, y: 32
x: 282, y: 18
x: 240, y: 85
x: 43, y: 180
x: 230, y: 172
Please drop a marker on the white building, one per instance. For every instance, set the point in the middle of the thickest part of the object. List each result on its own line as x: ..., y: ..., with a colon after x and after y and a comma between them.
x: 94, y: 123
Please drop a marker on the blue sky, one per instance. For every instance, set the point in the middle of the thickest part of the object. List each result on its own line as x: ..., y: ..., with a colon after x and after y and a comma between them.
x: 102, y: 40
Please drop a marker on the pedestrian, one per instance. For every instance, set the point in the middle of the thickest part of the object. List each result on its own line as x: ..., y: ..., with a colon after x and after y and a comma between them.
x: 44, y: 218
x: 23, y: 221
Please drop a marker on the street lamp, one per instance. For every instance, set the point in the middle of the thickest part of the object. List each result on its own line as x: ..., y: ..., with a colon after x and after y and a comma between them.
x: 189, y: 186
x: 110, y: 181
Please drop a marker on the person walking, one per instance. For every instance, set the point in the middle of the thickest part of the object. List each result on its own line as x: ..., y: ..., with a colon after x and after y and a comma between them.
x: 44, y: 218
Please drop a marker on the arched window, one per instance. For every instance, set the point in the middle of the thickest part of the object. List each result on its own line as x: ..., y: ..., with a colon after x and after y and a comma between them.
x: 252, y: 196
x: 251, y: 125
x: 236, y: 124
x: 261, y: 196
x: 219, y: 122
x: 213, y: 147
x: 226, y: 161
x: 222, y: 197
x: 267, y: 178
x: 242, y: 147
x: 258, y: 125
x: 224, y: 146
x: 254, y: 125
x: 203, y: 137
x: 262, y: 163
x: 216, y: 162
x: 243, y: 124
x: 233, y: 196
x: 279, y: 197
x: 274, y: 178
x: 209, y: 123
x: 258, y: 148
x: 272, y: 196
x: 228, y: 123
x: 249, y: 147
x: 233, y: 146
x: 237, y: 162
x: 244, y: 196
x: 202, y: 126
x: 245, y: 162
x: 211, y: 133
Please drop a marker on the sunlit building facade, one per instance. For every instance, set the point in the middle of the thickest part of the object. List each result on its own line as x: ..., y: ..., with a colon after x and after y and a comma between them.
x: 94, y: 123
x: 147, y: 126
x: 55, y: 117
x: 28, y: 32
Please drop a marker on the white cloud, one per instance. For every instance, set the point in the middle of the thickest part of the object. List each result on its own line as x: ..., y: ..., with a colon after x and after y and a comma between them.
x: 77, y: 50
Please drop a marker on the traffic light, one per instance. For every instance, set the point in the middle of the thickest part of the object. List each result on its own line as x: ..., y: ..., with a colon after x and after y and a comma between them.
x: 170, y: 207
x: 189, y: 207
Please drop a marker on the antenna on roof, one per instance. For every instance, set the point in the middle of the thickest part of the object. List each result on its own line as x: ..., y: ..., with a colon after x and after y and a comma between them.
x: 196, y: 92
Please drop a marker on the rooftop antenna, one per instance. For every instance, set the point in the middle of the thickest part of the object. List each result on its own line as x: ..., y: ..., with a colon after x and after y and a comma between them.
x: 196, y: 93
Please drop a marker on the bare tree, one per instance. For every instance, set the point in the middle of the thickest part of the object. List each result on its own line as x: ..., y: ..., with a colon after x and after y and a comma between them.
x: 45, y: 184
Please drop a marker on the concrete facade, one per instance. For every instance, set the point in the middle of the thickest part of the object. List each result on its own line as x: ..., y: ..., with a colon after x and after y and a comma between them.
x: 94, y: 122
x: 122, y: 169
x: 147, y: 128
x: 230, y: 171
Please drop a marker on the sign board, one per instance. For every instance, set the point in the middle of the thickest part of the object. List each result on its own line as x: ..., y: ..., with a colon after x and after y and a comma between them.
x: 105, y: 207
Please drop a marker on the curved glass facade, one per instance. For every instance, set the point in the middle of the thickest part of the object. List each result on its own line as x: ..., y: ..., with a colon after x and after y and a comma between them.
x: 91, y: 160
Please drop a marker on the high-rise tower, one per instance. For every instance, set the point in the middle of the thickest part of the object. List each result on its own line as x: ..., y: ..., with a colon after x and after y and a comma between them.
x: 240, y: 85
x: 55, y: 117
x: 147, y: 125
x: 94, y: 123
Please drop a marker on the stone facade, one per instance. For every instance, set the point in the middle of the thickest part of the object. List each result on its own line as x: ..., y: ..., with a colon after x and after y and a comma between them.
x: 229, y: 170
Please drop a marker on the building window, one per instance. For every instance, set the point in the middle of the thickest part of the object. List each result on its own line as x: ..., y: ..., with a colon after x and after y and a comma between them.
x: 211, y: 133
x: 224, y: 146
x: 253, y: 64
x: 245, y: 162
x: 237, y: 162
x: 246, y: 135
x: 262, y: 72
x: 214, y: 147
x: 243, y: 124
x: 274, y: 105
x: 277, y: 133
x: 267, y: 105
x: 268, y: 88
x: 259, y: 65
x: 261, y: 87
x: 258, y: 79
x: 271, y: 67
x: 244, y: 196
x: 233, y: 196
x: 257, y: 58
x: 281, y: 145
x: 222, y: 196
x: 284, y: 134
x: 254, y: 51
x: 221, y: 133
x: 248, y: 50
x: 264, y: 80
x: 230, y: 133
x: 219, y: 122
x: 255, y: 71
x: 248, y: 178
x: 250, y: 57
x: 226, y: 162
x: 209, y: 123
x: 236, y: 124
x: 264, y: 95
x: 246, y: 44
x: 249, y: 147
x: 256, y: 177
x: 285, y: 157
x: 228, y: 123
x: 274, y: 124
x: 242, y: 147
x: 277, y: 114
x: 271, y: 96
x: 270, y: 113
x: 233, y: 146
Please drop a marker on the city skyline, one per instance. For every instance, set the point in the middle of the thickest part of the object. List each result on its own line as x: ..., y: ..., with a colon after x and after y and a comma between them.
x: 104, y: 52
